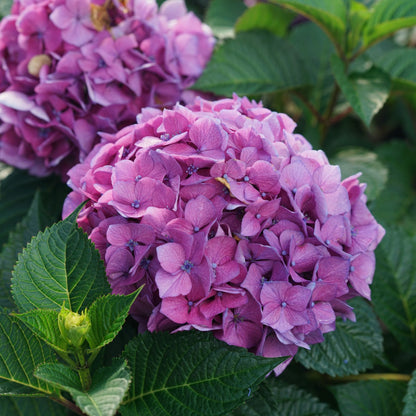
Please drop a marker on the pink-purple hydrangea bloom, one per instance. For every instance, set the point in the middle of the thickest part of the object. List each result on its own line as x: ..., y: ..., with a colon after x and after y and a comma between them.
x: 232, y: 222
x: 72, y: 69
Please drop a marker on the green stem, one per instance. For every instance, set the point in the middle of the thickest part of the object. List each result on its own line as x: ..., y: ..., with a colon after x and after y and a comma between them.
x: 375, y: 376
x: 310, y: 107
x: 68, y: 404
x: 326, y: 119
x: 83, y: 371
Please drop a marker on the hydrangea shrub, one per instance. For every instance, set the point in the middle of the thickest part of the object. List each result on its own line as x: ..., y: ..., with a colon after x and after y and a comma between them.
x: 233, y: 223
x: 71, y: 69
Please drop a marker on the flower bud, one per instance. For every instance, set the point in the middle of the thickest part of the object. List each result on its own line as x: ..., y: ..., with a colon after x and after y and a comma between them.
x: 73, y: 326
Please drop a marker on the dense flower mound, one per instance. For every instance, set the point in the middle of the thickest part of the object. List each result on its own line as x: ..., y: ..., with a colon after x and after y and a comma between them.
x: 73, y: 68
x: 231, y: 221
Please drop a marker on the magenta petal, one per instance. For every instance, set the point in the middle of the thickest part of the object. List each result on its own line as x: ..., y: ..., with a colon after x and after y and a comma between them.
x: 208, y: 135
x: 274, y: 316
x: 297, y: 297
x: 324, y: 313
x: 249, y: 225
x: 171, y: 257
x: 171, y: 285
x: 176, y: 309
x: 200, y: 211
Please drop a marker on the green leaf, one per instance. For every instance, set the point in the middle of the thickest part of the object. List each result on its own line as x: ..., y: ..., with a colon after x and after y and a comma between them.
x: 275, y: 398
x: 59, y: 266
x: 352, y: 348
x: 27, y: 406
x: 234, y: 66
x: 221, y: 16
x: 20, y: 353
x: 366, y: 91
x: 190, y: 373
x: 109, y: 385
x: 330, y: 15
x: 264, y: 16
x: 393, y: 203
x: 107, y: 315
x: 374, y: 173
x: 387, y: 17
x: 370, y: 398
x: 410, y: 398
x: 44, y: 323
x: 400, y: 64
x: 394, y: 286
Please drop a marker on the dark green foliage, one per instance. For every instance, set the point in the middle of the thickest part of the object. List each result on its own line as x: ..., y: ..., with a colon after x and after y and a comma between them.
x: 190, y: 374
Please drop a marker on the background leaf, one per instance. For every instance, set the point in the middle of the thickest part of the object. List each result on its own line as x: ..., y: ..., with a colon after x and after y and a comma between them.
x: 392, y: 205
x: 20, y: 353
x: 5, y: 7
x: 352, y: 348
x: 276, y: 398
x: 264, y: 16
x: 190, y: 373
x: 370, y: 398
x: 109, y: 385
x: 318, y: 64
x: 410, y: 397
x: 60, y: 265
x: 374, y: 173
x: 330, y: 15
x: 394, y: 286
x: 366, y: 91
x: 234, y: 66
x: 37, y: 218
x: 107, y: 315
x: 400, y: 64
x: 387, y: 17
x: 14, y: 205
x: 222, y: 15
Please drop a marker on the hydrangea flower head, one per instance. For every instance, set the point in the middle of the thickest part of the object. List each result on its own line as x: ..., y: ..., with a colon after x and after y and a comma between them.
x: 233, y: 223
x: 73, y: 70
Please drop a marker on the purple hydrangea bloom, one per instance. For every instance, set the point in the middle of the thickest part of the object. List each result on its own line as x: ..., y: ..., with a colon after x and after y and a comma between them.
x: 75, y: 70
x: 232, y: 221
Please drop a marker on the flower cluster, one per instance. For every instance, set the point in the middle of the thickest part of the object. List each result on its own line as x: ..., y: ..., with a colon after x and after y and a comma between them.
x: 73, y: 68
x: 231, y: 221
